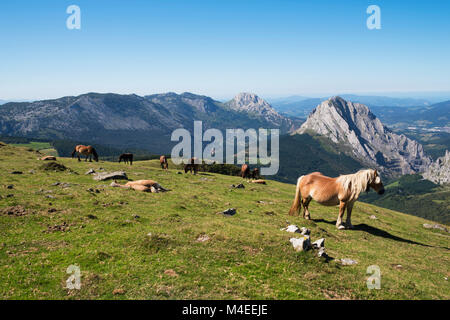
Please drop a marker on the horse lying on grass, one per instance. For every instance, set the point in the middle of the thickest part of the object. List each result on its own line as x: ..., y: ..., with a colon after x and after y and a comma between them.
x: 343, y: 191
x: 87, y: 151
x: 141, y: 185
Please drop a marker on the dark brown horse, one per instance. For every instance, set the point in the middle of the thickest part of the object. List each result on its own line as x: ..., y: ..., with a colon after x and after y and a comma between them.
x: 255, y: 174
x: 163, y: 162
x: 245, y: 171
x: 87, y: 151
x: 126, y: 157
x: 191, y: 166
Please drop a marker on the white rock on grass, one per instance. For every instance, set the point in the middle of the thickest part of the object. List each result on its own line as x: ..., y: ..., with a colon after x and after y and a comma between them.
x: 305, y: 231
x: 319, y: 243
x: 291, y: 228
x: 348, y: 262
x: 301, y: 244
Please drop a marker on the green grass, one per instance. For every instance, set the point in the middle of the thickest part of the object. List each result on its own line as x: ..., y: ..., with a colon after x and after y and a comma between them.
x: 247, y: 256
x: 44, y: 147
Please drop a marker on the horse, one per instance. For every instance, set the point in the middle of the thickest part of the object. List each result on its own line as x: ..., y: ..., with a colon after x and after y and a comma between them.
x: 191, y: 166
x: 87, y: 151
x: 255, y: 173
x: 245, y: 171
x: 126, y: 157
x: 163, y: 162
x: 141, y: 185
x: 343, y: 191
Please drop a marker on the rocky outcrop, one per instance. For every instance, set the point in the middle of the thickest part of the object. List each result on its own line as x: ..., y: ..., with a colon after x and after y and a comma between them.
x: 365, y: 138
x: 439, y: 171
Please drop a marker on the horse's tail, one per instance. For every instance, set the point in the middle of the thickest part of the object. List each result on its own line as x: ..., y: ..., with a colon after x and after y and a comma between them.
x: 74, y: 151
x: 295, y: 208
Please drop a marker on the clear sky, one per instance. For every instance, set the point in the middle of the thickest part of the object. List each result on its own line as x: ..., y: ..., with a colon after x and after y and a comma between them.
x: 222, y: 47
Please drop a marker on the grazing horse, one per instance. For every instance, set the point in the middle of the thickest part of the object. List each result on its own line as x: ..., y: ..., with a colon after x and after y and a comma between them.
x: 255, y: 173
x: 126, y: 157
x: 343, y: 191
x: 87, y: 151
x: 163, y: 162
x: 191, y: 166
x: 245, y: 171
x: 141, y: 185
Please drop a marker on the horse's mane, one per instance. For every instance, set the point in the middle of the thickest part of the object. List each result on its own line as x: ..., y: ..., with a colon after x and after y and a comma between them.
x: 94, y: 153
x: 357, y: 182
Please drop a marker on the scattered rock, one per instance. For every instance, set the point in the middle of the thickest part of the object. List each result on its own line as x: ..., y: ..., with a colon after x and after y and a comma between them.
x: 117, y: 175
x: 239, y: 186
x: 348, y: 262
x: 49, y: 196
x: 229, y: 212
x: 305, y: 231
x: 373, y: 217
x: 203, y: 238
x: 179, y: 172
x: 16, y: 211
x: 93, y: 190
x: 91, y: 216
x: 319, y: 243
x: 270, y: 213
x: 51, y: 210
x: 10, y: 186
x: 58, y: 227
x: 136, y: 216
x: 9, y: 195
x: 435, y: 226
x: 90, y: 171
x: 16, y: 172
x: 56, y: 184
x: 301, y: 244
x: 291, y: 228
x: 31, y: 171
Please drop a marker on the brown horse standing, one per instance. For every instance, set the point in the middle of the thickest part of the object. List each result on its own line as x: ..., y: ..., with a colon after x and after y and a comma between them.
x: 163, y: 162
x: 87, y: 151
x: 245, y: 171
x: 255, y: 173
x: 191, y: 166
x: 126, y: 157
x: 343, y: 191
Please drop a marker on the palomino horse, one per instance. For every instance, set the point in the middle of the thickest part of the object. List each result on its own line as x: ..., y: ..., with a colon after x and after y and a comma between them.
x: 163, y: 162
x: 141, y: 185
x: 87, y: 151
x: 126, y: 157
x: 343, y: 191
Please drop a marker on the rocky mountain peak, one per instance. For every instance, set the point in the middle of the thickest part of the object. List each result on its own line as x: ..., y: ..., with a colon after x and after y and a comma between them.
x: 439, y: 171
x: 354, y: 125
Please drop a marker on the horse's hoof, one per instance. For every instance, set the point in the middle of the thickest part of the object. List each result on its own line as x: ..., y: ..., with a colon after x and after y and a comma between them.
x: 341, y: 227
x: 349, y: 226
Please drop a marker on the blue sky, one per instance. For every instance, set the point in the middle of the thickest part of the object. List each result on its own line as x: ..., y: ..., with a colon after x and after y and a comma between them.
x: 222, y: 47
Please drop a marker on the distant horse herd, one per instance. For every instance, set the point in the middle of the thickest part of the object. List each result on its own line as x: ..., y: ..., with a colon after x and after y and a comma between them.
x: 343, y: 190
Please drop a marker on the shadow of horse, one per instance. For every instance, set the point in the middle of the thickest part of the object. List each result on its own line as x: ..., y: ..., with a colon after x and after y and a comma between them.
x: 379, y: 233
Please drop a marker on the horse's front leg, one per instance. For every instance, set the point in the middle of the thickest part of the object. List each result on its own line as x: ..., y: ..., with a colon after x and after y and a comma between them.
x: 78, y: 157
x: 348, y: 223
x: 342, y: 206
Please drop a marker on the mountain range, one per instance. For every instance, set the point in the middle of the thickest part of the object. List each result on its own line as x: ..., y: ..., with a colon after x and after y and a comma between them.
x: 135, y: 121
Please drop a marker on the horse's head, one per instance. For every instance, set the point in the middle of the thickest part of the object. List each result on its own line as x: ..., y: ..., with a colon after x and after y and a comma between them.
x: 375, y: 183
x: 94, y: 153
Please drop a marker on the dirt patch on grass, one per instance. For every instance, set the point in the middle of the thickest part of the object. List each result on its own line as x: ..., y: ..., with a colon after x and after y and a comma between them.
x: 64, y: 227
x: 16, y: 211
x: 54, y: 166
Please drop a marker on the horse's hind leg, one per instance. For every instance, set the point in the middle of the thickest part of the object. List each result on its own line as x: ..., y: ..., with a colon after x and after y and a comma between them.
x: 348, y: 223
x: 78, y: 157
x: 305, y: 203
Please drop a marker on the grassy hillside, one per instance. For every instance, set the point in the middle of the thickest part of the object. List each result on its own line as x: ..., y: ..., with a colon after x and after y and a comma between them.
x: 44, y: 228
x: 414, y: 195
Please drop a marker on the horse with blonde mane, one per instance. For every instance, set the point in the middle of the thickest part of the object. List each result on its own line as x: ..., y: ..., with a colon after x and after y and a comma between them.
x: 343, y: 191
x: 87, y: 151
